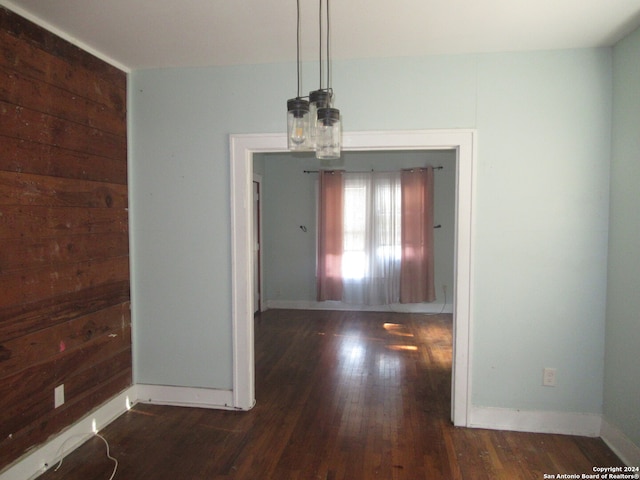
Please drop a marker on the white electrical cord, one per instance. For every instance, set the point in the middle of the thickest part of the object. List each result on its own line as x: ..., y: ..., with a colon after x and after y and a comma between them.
x: 444, y: 304
x: 114, y: 460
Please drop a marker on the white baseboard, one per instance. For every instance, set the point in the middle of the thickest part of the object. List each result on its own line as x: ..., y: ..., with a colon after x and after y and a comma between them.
x: 38, y: 460
x: 333, y: 305
x: 566, y: 423
x: 621, y: 445
x: 185, y: 396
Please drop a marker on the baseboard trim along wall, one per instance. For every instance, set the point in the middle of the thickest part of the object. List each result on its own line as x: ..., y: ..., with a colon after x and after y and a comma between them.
x: 566, y: 423
x: 41, y: 458
x: 333, y: 305
x: 38, y: 460
x: 621, y: 445
x: 185, y: 396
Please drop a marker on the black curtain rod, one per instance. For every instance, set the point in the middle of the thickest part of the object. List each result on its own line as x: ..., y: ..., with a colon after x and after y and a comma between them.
x: 367, y: 171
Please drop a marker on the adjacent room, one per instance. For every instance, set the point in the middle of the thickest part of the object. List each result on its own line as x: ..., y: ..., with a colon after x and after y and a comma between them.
x: 437, y: 280
x: 288, y: 196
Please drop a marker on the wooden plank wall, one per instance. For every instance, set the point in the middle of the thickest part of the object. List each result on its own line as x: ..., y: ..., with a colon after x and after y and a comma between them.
x: 64, y: 257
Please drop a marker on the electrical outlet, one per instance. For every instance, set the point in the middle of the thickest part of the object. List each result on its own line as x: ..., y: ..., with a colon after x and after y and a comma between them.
x: 549, y: 377
x: 58, y: 395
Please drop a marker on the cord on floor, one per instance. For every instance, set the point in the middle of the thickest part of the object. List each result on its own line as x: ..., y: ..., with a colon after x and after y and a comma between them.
x: 427, y: 314
x: 114, y: 460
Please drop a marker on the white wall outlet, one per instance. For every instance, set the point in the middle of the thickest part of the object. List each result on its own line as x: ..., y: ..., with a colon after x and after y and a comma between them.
x: 549, y: 377
x: 58, y: 395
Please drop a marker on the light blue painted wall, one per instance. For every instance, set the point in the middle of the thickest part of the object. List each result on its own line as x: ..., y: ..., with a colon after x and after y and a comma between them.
x: 622, y: 360
x: 541, y: 233
x: 289, y: 201
x: 543, y: 122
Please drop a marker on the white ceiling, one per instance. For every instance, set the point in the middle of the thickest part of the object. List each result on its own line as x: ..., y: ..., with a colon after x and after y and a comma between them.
x: 163, y: 33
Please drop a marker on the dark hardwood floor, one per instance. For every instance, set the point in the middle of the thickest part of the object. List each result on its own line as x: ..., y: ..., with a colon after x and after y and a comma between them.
x: 340, y: 395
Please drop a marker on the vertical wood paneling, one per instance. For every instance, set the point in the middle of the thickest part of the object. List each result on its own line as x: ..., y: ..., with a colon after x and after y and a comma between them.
x: 64, y: 261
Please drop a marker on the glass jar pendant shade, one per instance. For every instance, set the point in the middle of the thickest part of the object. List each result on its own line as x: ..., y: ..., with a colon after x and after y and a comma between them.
x: 317, y: 99
x: 298, y: 108
x: 328, y: 133
x: 298, y: 137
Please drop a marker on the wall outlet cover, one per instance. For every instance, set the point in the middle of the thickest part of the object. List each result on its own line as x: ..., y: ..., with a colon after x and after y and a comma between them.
x: 58, y: 395
x: 549, y: 377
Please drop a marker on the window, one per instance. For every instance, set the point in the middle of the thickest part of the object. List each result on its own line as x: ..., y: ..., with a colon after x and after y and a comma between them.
x: 371, y: 238
x: 375, y: 237
x: 353, y: 256
x: 375, y: 197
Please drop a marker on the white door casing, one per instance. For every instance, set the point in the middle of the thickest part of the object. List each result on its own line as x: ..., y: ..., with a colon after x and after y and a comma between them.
x: 243, y: 147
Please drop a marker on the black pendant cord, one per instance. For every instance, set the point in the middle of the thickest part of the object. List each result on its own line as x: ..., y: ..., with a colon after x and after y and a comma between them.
x: 320, y: 40
x: 298, y: 45
x: 328, y: 54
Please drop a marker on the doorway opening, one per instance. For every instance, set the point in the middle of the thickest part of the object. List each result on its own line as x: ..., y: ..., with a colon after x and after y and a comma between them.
x: 243, y: 147
x: 290, y: 234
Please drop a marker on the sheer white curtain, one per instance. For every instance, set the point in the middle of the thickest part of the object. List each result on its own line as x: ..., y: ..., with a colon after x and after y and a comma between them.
x: 372, y: 235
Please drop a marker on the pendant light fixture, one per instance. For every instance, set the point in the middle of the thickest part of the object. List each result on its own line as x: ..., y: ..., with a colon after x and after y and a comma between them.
x: 297, y: 108
x: 320, y: 98
x: 315, y: 124
x: 328, y: 130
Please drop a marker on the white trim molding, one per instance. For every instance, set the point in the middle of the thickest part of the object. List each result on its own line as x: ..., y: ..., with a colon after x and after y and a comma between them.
x: 242, y: 148
x: 241, y: 176
x: 428, y: 308
x: 535, y: 421
x: 38, y: 460
x: 185, y: 396
x: 42, y: 457
x: 621, y: 445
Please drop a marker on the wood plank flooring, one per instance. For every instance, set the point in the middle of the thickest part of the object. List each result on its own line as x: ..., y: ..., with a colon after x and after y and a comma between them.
x: 340, y: 395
